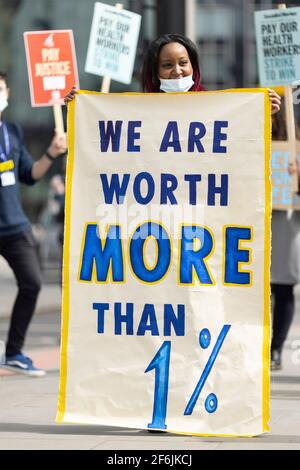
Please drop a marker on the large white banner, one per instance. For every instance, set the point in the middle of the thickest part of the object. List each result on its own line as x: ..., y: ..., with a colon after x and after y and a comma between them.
x: 166, y: 262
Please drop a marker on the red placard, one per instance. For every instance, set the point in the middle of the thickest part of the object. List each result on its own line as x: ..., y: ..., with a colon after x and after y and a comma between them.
x: 51, y: 64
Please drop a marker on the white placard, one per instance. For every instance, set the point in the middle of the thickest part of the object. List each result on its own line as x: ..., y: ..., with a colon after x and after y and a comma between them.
x: 278, y: 46
x: 113, y: 41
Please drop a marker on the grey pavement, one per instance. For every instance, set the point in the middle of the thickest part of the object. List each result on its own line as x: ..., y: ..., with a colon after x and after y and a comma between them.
x: 28, y: 406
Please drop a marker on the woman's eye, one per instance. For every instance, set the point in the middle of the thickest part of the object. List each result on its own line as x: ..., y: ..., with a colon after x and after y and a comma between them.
x: 167, y: 65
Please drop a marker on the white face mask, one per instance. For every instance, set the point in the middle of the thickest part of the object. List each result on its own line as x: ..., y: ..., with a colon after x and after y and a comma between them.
x: 3, y: 102
x: 176, y: 85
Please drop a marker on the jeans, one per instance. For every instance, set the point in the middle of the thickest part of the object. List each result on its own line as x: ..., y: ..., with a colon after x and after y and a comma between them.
x: 21, y: 254
x: 283, y: 313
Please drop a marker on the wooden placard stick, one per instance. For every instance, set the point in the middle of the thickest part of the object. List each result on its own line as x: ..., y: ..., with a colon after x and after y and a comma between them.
x: 290, y: 125
x: 106, y: 80
x: 58, y: 119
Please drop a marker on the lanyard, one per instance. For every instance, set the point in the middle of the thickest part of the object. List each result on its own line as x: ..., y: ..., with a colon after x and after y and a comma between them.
x: 4, y: 153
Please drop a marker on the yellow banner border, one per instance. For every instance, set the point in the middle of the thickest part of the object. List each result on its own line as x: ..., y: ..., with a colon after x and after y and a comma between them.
x: 66, y: 273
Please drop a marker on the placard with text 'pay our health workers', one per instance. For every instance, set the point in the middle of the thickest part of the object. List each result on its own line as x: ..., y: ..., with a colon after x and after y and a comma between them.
x: 113, y: 41
x: 278, y: 46
x: 166, y: 262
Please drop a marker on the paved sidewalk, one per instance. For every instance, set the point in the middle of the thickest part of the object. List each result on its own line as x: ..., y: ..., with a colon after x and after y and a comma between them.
x: 28, y: 409
x: 28, y: 405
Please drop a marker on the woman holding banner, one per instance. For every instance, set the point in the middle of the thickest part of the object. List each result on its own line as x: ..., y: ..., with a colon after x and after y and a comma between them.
x: 171, y: 65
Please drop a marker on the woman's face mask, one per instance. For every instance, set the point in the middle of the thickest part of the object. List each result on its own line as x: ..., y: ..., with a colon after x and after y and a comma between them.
x: 176, y: 85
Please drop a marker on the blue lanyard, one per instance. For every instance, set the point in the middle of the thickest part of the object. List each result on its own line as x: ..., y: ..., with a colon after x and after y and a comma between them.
x: 4, y: 153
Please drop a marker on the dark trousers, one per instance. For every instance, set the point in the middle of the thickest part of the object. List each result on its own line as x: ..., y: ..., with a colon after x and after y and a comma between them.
x: 21, y: 255
x: 283, y: 313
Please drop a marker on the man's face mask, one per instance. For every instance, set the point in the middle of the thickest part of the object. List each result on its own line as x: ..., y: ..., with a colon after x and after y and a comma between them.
x: 176, y: 85
x: 3, y: 101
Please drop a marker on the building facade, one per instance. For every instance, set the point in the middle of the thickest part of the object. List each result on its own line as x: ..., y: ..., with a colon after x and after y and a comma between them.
x: 222, y: 29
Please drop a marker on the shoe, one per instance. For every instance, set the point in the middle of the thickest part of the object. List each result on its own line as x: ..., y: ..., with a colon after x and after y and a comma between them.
x: 22, y: 365
x: 154, y: 431
x: 276, y: 360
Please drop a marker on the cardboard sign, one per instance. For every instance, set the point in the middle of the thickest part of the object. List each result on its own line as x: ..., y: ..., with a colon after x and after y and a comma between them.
x: 113, y: 41
x: 283, y: 193
x: 166, y: 262
x: 51, y: 64
x: 278, y: 46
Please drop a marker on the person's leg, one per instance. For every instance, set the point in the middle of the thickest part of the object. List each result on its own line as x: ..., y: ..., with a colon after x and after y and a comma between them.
x: 20, y: 253
x: 283, y: 313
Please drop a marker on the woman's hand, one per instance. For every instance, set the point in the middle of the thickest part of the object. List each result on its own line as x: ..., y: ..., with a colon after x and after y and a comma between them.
x: 70, y: 96
x: 275, y: 101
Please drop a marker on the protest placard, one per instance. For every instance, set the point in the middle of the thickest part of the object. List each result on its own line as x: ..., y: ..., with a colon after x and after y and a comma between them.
x: 278, y: 53
x: 283, y: 194
x: 51, y: 64
x: 113, y: 41
x: 278, y: 46
x: 166, y: 319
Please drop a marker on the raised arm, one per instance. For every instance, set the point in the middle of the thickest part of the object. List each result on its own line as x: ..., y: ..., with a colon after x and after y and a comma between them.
x: 57, y: 147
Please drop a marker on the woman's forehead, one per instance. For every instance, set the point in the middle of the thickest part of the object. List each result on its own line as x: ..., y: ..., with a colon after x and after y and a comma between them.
x: 171, y: 49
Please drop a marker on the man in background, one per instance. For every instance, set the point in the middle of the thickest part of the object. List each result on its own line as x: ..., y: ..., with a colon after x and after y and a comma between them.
x: 17, y: 244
